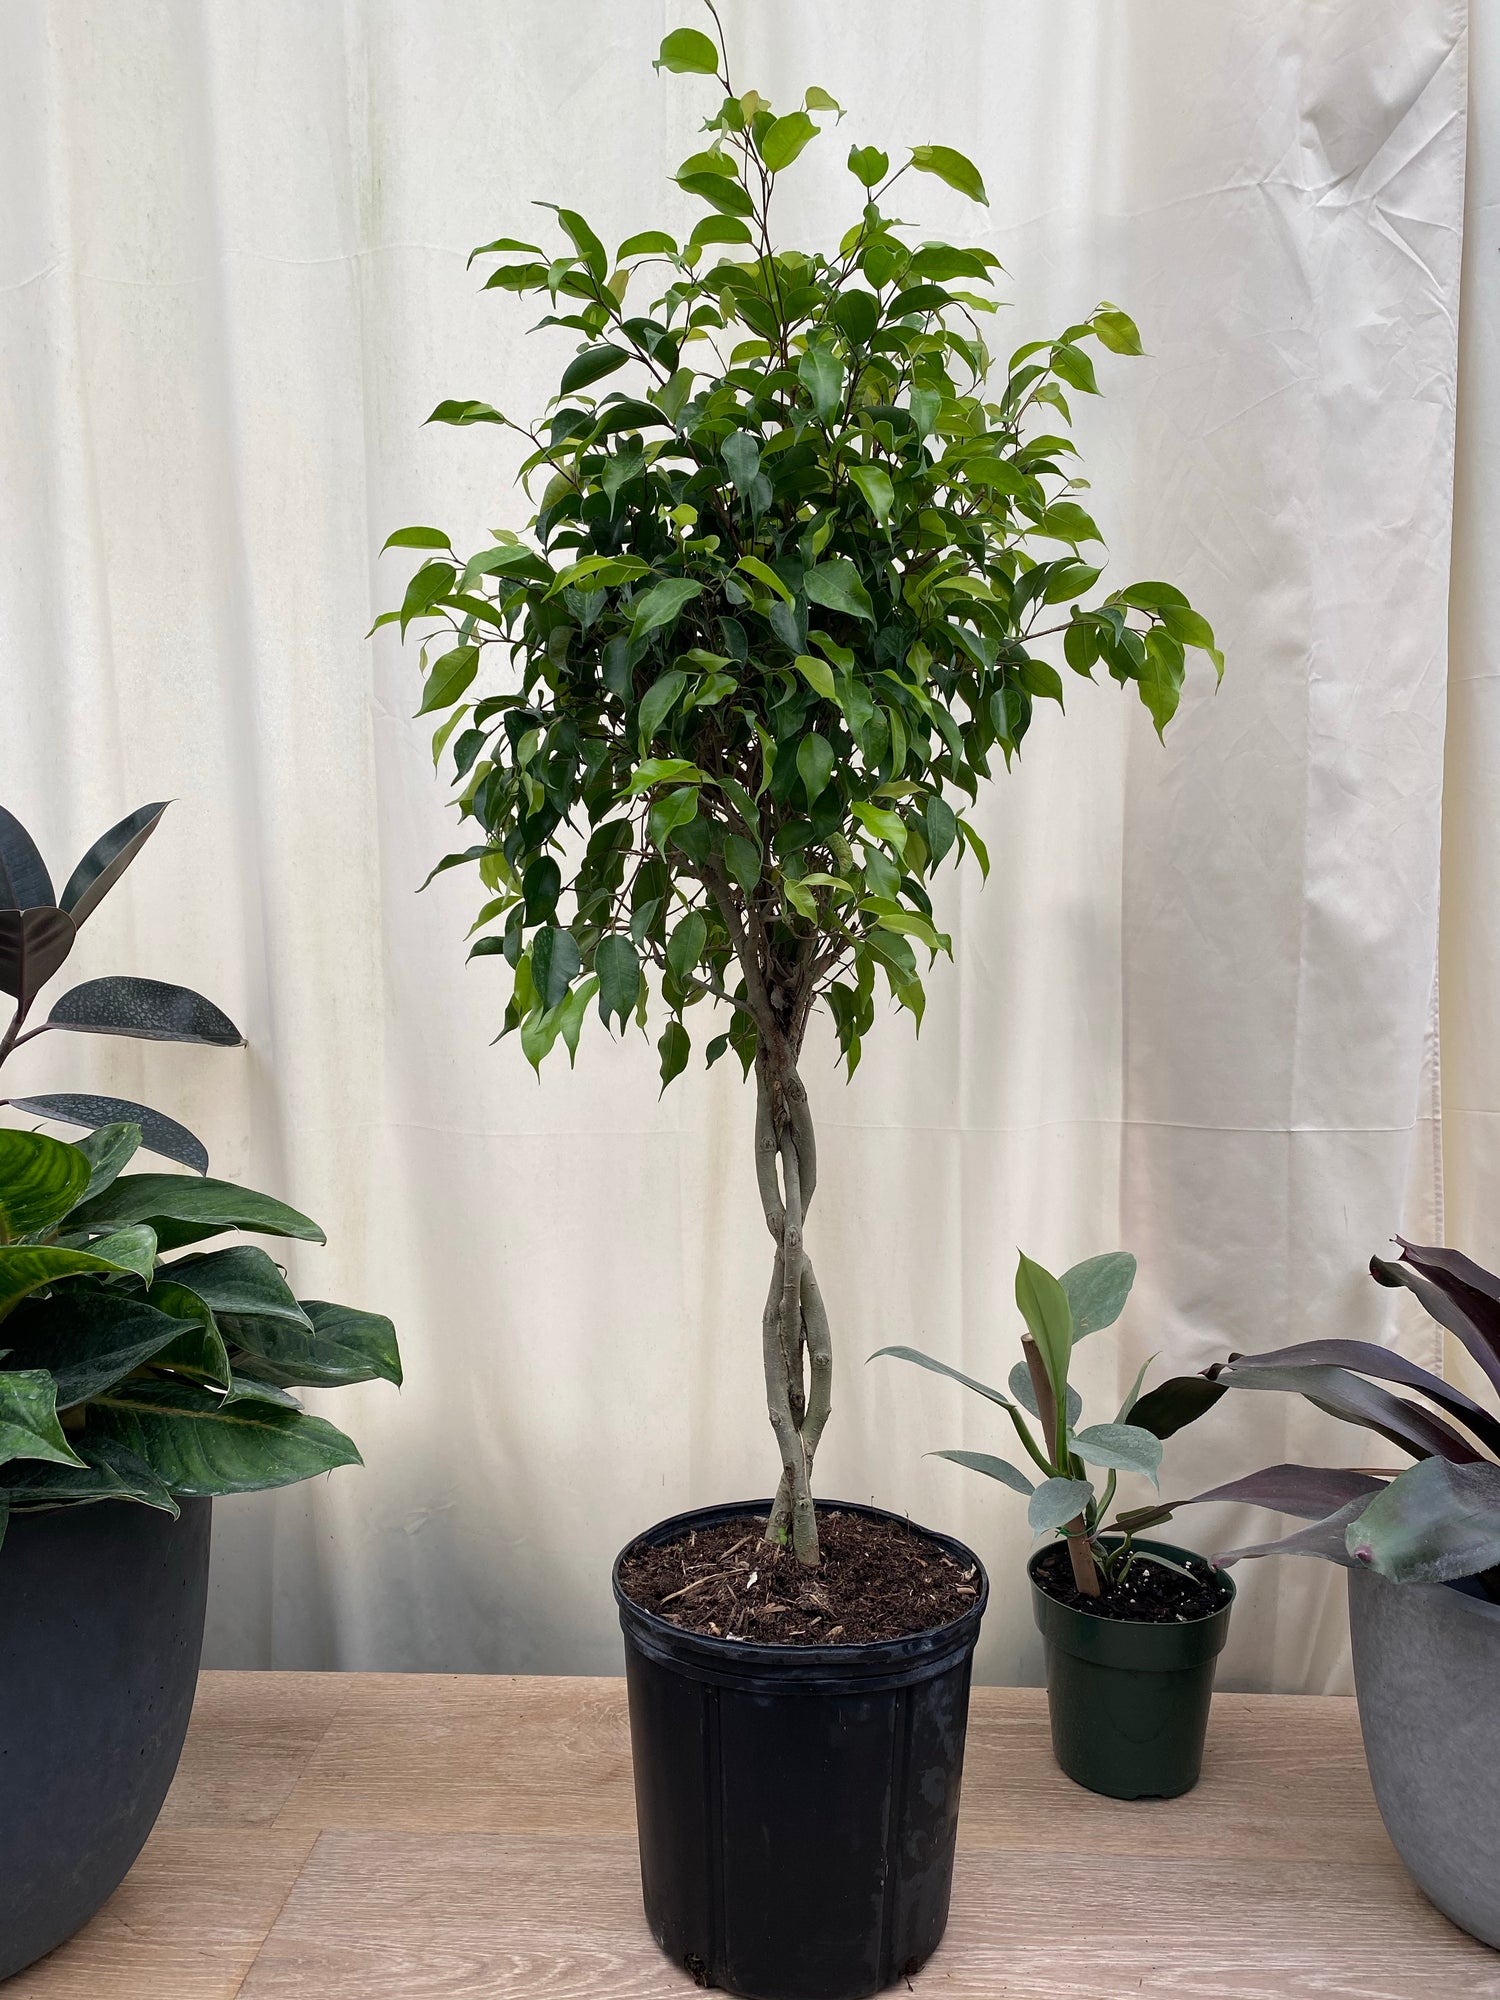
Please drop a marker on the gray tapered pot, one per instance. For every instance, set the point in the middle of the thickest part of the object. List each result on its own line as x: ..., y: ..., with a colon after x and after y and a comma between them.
x: 101, y: 1627
x: 1427, y: 1673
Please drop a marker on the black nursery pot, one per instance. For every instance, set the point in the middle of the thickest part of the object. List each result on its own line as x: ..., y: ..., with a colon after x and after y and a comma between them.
x: 101, y: 1628
x: 1129, y: 1703
x: 796, y: 1805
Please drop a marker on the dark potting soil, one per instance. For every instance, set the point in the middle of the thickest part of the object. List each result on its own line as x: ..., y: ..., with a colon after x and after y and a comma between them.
x: 876, y: 1580
x: 1148, y: 1594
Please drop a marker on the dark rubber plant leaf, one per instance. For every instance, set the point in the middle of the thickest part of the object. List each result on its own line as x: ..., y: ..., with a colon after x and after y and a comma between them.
x: 1435, y: 1522
x: 200, y: 1443
x: 33, y: 944
x: 1175, y: 1403
x: 24, y: 881
x: 151, y: 1011
x: 87, y: 1340
x: 1458, y: 1293
x: 28, y: 1417
x: 107, y: 860
x: 1308, y: 1491
x: 108, y: 1472
x: 181, y: 1210
x: 148, y: 1009
x: 1355, y: 1401
x: 159, y: 1134
x: 1366, y: 1358
x: 40, y: 1180
x: 343, y: 1346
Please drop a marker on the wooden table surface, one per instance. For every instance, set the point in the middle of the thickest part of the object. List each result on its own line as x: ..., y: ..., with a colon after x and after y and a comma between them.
x: 435, y: 1837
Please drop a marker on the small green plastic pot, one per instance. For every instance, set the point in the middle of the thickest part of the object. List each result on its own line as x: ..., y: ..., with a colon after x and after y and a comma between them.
x: 1129, y: 1703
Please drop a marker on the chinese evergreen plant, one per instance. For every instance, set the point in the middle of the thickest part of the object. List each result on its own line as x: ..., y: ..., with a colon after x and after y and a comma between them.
x: 787, y: 594
x: 128, y: 1371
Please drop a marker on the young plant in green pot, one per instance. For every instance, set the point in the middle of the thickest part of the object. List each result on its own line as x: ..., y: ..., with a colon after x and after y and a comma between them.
x: 717, y: 720
x: 1422, y: 1550
x: 1131, y: 1630
x: 145, y: 1367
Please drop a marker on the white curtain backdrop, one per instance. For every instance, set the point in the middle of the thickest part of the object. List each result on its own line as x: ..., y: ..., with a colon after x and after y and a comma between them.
x: 1193, y: 1013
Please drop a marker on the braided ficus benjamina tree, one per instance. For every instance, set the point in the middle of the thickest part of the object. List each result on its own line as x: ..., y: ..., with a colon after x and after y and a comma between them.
x: 790, y: 589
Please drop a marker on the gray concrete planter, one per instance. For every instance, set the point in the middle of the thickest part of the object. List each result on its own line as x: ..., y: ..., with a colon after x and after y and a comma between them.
x: 1427, y: 1673
x: 101, y: 1625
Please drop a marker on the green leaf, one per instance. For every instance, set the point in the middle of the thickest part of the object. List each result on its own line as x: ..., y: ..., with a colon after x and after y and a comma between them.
x: 740, y: 452
x: 1042, y: 682
x: 821, y: 374
x: 1049, y: 1319
x: 763, y: 573
x: 742, y: 859
x: 109, y: 1149
x: 784, y: 139
x: 993, y: 1468
x: 28, y: 1267
x: 592, y: 366
x: 28, y: 1418
x: 619, y: 970
x: 1066, y: 521
x: 555, y: 964
x: 1097, y: 1290
x: 88, y: 1339
x: 198, y: 1443
x: 926, y: 1361
x: 132, y: 1249
x: 674, y: 1049
x: 240, y: 1280
x: 336, y: 1345
x: 662, y: 605
x: 942, y: 828
x: 647, y: 243
x: 951, y: 167
x: 584, y: 241
x: 1021, y: 1387
x: 720, y: 191
x: 657, y: 704
x: 1435, y: 1522
x: 191, y: 1209
x: 450, y: 676
x: 814, y: 763
x: 106, y: 1471
x: 818, y: 674
x: 1117, y: 331
x: 661, y: 771
x: 40, y: 1180
x: 874, y: 482
x: 836, y: 586
x: 687, y: 52
x: 685, y: 947
x: 676, y: 809
x: 1125, y: 1447
x: 868, y: 165
x: 886, y: 826
x: 416, y: 538
x: 1056, y: 1502
x: 466, y: 411
x: 1160, y: 680
x: 1074, y: 367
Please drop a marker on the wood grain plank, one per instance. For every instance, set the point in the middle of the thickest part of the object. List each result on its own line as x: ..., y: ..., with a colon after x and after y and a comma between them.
x: 185, y: 1924
x: 393, y: 1916
x: 1283, y: 1776
x: 248, y: 1743
x: 457, y: 1753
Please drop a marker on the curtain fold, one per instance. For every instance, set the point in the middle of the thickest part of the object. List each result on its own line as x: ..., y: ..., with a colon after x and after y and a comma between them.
x: 1189, y: 1014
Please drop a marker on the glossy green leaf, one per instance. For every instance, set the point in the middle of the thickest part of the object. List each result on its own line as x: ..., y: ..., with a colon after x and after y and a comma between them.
x: 28, y: 1417
x: 815, y: 761
x: 685, y: 50
x: 183, y: 1210
x: 662, y: 605
x: 198, y: 1443
x: 674, y: 1049
x: 1049, y: 1319
x: 785, y: 138
x: 87, y: 1340
x: 26, y: 1268
x: 592, y: 366
x: 40, y: 1180
x: 868, y: 165
x: 836, y: 585
x: 951, y: 167
x: 336, y: 1345
x: 618, y: 966
x: 555, y: 964
x: 821, y: 373
x: 874, y: 483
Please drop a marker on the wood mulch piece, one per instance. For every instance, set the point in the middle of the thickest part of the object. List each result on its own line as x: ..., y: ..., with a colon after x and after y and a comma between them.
x: 876, y: 1580
x: 1150, y: 1593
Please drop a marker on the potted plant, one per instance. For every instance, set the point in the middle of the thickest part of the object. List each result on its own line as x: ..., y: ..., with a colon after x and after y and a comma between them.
x: 1422, y: 1548
x: 1130, y: 1630
x: 141, y: 1373
x: 786, y: 595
